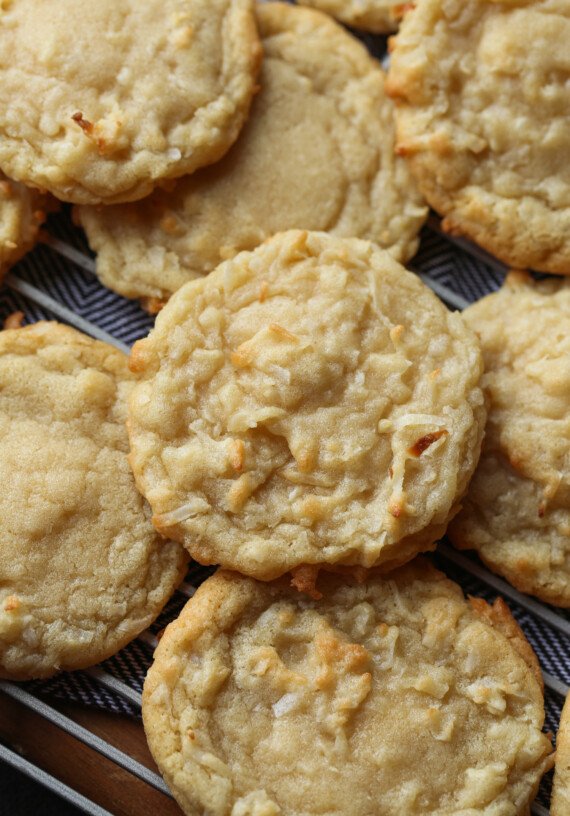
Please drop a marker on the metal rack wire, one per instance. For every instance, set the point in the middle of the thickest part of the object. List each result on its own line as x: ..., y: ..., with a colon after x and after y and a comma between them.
x: 554, y: 620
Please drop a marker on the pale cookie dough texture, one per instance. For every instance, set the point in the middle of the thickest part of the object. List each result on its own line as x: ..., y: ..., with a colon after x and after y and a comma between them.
x: 517, y: 510
x: 483, y: 99
x: 82, y: 570
x: 377, y: 16
x: 101, y: 100
x: 560, y: 802
x: 394, y: 697
x: 22, y: 212
x: 316, y: 153
x: 310, y: 402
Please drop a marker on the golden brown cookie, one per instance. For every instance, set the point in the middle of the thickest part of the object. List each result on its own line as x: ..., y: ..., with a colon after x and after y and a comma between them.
x: 22, y: 212
x: 389, y: 697
x: 308, y: 403
x: 482, y: 100
x: 316, y: 153
x: 377, y: 16
x: 517, y: 511
x: 560, y: 802
x: 100, y: 101
x: 82, y: 570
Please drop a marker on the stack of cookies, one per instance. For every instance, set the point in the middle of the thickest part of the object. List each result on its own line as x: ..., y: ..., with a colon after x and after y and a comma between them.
x: 305, y: 413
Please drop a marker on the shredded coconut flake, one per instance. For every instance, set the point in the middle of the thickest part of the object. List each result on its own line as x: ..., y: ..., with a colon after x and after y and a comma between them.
x: 410, y: 420
x: 185, y: 511
x: 173, y: 154
x: 285, y: 704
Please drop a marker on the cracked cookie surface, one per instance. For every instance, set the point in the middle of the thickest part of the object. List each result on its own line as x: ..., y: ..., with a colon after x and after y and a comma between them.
x: 394, y: 696
x: 482, y: 97
x: 22, y: 212
x: 82, y: 570
x: 377, y: 16
x: 317, y: 153
x: 310, y: 402
x: 517, y: 510
x: 100, y: 101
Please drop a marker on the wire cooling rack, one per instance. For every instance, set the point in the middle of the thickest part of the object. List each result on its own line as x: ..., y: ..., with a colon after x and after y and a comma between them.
x: 58, y: 280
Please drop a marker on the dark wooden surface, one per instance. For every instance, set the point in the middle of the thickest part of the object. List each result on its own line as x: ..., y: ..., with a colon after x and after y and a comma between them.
x: 82, y: 768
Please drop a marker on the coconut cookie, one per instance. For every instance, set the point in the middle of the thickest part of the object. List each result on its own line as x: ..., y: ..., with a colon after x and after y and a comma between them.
x: 100, y: 101
x: 390, y: 697
x: 482, y: 95
x: 22, y: 212
x: 310, y: 402
x: 560, y: 802
x: 82, y: 571
x: 517, y: 511
x: 377, y: 16
x: 317, y: 152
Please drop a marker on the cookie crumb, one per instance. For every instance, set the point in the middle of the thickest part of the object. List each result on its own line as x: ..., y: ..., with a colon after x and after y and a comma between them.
x: 304, y: 579
x: 14, y: 320
x: 85, y: 125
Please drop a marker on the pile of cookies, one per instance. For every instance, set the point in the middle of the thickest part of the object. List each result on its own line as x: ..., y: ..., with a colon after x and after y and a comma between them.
x: 310, y: 407
x: 305, y: 413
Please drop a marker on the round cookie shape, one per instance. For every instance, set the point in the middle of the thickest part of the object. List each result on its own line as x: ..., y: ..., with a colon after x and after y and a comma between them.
x: 482, y: 102
x: 82, y: 570
x: 376, y: 16
x: 517, y: 510
x: 560, y: 802
x: 100, y: 101
x: 308, y: 403
x: 22, y: 212
x: 414, y: 703
x: 317, y: 153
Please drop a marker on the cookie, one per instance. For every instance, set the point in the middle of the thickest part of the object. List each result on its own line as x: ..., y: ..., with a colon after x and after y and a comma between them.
x: 100, y: 101
x: 482, y: 102
x: 517, y: 511
x: 308, y: 403
x: 82, y: 570
x: 390, y: 697
x: 317, y: 152
x: 22, y: 212
x: 560, y: 802
x: 377, y: 16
